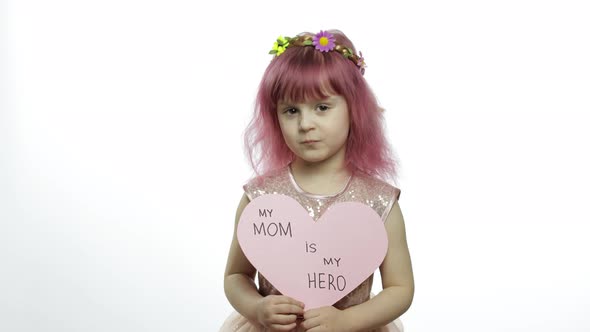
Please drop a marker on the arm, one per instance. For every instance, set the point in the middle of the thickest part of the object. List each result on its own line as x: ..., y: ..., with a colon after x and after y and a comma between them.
x: 238, y: 284
x: 397, y: 278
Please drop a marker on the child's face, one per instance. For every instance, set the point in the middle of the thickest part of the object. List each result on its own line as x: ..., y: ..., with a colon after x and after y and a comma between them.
x: 326, y: 122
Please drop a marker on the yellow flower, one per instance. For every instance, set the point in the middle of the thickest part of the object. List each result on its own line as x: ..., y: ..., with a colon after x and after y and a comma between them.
x: 280, y: 45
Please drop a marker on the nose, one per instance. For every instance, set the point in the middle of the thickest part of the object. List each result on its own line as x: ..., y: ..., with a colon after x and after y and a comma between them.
x: 306, y: 121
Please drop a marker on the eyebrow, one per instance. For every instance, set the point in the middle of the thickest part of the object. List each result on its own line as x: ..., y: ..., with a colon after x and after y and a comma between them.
x: 331, y: 99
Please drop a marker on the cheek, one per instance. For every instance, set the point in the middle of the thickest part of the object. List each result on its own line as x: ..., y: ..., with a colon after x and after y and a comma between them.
x: 288, y: 135
x: 283, y: 129
x: 343, y: 136
x: 341, y: 130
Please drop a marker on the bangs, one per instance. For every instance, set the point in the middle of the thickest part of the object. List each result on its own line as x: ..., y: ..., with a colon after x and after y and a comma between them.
x: 305, y: 74
x: 302, y: 86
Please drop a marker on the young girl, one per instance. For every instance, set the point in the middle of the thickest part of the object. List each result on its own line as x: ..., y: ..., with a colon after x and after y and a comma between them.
x: 317, y: 136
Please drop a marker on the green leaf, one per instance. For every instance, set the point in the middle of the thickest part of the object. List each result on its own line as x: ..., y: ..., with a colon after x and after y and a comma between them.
x: 308, y: 42
x: 273, y: 52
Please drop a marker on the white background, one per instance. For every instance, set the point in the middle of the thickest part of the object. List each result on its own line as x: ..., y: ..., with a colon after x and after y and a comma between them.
x: 121, y: 160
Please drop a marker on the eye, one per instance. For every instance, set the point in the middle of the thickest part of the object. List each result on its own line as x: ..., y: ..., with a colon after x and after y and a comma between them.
x: 323, y: 108
x: 290, y: 110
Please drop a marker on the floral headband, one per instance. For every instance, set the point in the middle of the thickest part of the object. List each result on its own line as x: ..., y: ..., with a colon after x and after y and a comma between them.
x: 323, y: 42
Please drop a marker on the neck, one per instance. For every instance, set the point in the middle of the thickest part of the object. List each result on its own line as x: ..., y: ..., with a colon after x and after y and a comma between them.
x: 329, y: 169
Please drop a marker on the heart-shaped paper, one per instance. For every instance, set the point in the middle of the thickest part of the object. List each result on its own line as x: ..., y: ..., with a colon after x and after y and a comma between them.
x: 316, y: 262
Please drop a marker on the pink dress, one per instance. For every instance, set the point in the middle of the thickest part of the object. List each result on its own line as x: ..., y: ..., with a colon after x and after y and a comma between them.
x: 360, y: 187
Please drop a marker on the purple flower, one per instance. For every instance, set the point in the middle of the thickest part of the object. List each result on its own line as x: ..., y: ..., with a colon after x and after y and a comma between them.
x: 361, y: 60
x: 324, y: 41
x: 361, y: 63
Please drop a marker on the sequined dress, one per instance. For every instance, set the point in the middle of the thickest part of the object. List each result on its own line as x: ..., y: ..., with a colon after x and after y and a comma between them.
x: 360, y: 187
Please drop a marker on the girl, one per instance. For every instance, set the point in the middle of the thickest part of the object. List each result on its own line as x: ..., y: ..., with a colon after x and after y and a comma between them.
x: 317, y: 135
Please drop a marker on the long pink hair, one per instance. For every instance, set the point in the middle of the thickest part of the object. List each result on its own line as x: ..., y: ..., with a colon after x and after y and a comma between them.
x: 303, y: 73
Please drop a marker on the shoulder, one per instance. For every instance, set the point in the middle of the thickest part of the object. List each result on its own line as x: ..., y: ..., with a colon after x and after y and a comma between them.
x: 266, y: 183
x: 379, y: 186
x: 381, y: 195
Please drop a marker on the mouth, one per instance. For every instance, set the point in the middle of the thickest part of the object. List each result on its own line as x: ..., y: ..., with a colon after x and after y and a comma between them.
x: 309, y: 142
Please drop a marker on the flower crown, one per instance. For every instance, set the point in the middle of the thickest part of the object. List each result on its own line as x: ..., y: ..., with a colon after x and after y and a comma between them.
x: 323, y: 41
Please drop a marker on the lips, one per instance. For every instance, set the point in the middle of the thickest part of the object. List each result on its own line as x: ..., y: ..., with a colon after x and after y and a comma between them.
x: 309, y: 141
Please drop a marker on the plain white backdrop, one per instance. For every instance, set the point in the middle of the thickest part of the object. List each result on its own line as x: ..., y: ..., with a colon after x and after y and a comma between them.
x: 121, y: 160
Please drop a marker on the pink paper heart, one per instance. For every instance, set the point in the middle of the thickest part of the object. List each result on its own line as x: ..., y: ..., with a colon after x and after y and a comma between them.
x: 316, y: 262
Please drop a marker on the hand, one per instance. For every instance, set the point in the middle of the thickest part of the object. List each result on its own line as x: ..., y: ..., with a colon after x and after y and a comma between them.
x: 325, y: 319
x: 278, y: 312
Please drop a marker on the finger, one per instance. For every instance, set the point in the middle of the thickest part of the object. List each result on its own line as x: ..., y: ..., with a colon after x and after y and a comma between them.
x: 316, y: 329
x: 288, y: 309
x: 309, y: 324
x: 290, y: 300
x: 278, y: 327
x: 282, y: 319
x: 310, y: 314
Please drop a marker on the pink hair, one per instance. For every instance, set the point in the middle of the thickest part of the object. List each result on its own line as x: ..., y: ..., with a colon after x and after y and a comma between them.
x: 302, y: 74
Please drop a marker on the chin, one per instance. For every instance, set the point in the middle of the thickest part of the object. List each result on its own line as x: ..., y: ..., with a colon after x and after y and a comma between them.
x: 312, y: 159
